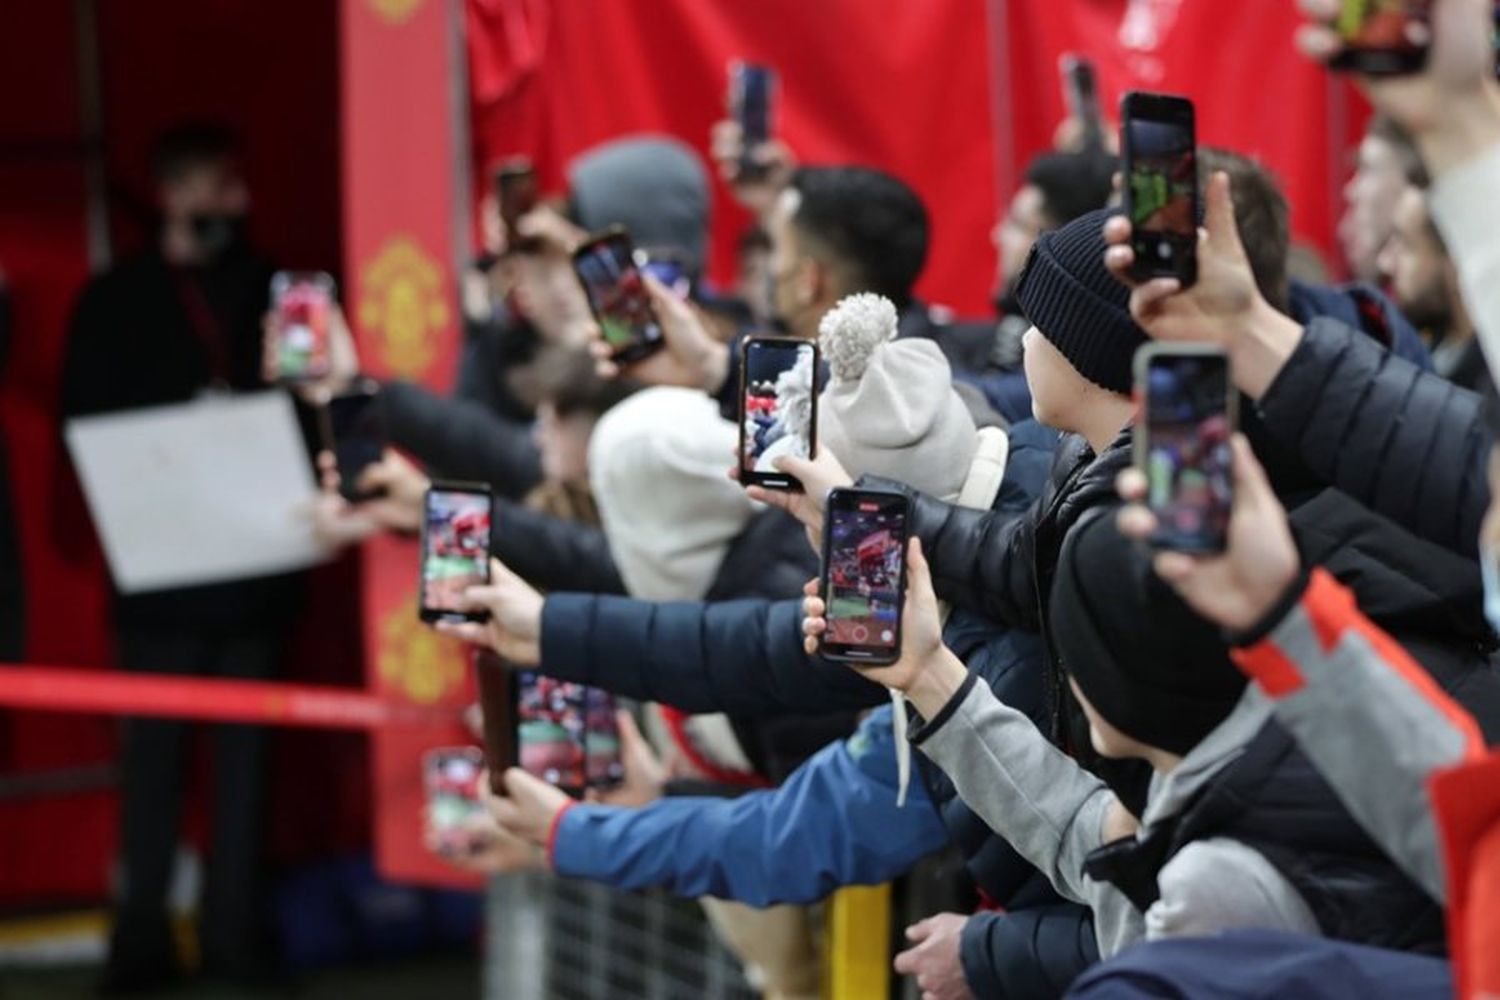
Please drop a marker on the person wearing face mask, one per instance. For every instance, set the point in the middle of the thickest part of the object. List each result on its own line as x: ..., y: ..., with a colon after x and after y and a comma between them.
x: 163, y: 327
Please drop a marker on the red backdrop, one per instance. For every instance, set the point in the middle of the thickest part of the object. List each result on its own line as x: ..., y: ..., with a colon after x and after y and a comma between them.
x: 890, y: 83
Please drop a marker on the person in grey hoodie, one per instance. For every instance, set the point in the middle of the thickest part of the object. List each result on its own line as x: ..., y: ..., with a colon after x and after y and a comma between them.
x: 1238, y: 830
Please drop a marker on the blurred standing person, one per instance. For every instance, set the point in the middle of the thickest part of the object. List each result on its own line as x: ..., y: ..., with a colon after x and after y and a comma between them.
x: 182, y: 318
x: 1424, y: 283
x: 1383, y: 164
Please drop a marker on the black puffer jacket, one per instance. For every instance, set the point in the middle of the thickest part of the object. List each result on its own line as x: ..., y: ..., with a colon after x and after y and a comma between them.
x: 1408, y: 443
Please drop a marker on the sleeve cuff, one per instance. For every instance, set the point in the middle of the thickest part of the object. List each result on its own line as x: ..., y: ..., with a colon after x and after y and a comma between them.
x: 1274, y: 617
x: 927, y: 729
x: 554, y: 831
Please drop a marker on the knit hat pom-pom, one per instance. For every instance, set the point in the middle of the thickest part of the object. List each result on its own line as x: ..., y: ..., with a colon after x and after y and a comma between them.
x: 851, y: 331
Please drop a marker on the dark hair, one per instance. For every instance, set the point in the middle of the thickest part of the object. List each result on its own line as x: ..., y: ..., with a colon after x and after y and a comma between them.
x: 567, y: 380
x: 1262, y: 216
x: 1072, y: 184
x: 873, y: 224
x: 187, y: 147
x: 754, y: 239
x: 1391, y: 132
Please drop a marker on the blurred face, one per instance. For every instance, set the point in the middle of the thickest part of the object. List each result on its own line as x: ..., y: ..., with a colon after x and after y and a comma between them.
x: 794, y: 274
x: 1058, y: 392
x: 564, y: 444
x: 1016, y: 234
x: 1369, y: 203
x: 1107, y: 740
x: 1415, y: 265
x: 213, y: 188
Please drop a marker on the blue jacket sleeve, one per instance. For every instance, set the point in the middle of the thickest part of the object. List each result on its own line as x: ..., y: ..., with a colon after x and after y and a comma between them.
x: 1033, y: 952
x: 834, y: 822
x: 744, y: 658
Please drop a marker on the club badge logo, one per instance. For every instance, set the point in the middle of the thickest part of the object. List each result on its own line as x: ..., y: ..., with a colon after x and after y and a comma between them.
x: 416, y: 663
x: 395, y: 11
x: 403, y: 307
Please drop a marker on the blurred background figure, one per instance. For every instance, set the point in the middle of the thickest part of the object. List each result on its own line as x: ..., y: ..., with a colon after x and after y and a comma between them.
x: 181, y: 319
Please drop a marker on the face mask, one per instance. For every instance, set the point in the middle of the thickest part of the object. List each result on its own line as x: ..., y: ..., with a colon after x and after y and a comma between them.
x: 1489, y: 571
x: 218, y: 234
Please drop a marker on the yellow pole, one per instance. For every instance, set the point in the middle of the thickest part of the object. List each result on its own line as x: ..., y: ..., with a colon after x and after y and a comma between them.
x: 859, y: 943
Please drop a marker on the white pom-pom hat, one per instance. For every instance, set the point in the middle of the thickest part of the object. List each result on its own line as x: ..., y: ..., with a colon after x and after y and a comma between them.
x: 890, y: 409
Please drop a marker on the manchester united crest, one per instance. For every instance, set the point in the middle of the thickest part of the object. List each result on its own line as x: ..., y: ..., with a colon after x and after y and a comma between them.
x: 395, y: 11
x: 415, y: 662
x: 403, y: 306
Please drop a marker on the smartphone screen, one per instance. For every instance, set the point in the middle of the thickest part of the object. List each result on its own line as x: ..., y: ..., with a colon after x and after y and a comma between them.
x: 606, y: 266
x: 566, y: 733
x: 455, y: 549
x: 778, y: 408
x: 517, y: 193
x: 358, y: 438
x: 551, y: 730
x: 1182, y: 444
x: 1383, y: 37
x: 1161, y: 185
x: 451, y: 776
x: 864, y: 575
x: 750, y: 86
x: 302, y: 306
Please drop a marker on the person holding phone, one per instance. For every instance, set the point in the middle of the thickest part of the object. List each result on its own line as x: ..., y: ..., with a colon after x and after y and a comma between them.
x: 1156, y: 684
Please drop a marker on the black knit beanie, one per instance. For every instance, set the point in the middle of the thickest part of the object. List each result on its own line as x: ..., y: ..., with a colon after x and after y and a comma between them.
x: 1080, y: 307
x: 1150, y: 666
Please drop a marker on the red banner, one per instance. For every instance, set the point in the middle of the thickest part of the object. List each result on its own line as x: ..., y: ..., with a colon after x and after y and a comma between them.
x: 398, y: 223
x: 1254, y: 93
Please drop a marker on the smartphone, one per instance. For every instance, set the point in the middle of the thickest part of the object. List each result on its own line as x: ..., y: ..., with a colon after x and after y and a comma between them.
x: 1187, y: 410
x: 1383, y: 37
x: 516, y: 193
x: 750, y: 94
x: 1081, y: 96
x: 451, y: 778
x: 357, y: 437
x: 455, y: 549
x: 864, y: 575
x: 778, y: 408
x: 606, y: 265
x: 497, y: 685
x: 302, y: 307
x: 1161, y: 185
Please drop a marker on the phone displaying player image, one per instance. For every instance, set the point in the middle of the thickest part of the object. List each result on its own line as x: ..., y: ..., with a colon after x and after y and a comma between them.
x: 778, y: 408
x: 357, y: 437
x: 451, y: 778
x: 750, y: 95
x: 565, y: 733
x: 1187, y: 415
x: 864, y: 575
x: 1161, y: 185
x: 1081, y: 96
x: 455, y: 549
x: 606, y: 266
x: 302, y: 312
x: 1383, y: 37
x: 516, y: 193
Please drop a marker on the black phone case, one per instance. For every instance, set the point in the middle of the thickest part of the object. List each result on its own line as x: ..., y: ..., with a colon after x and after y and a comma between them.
x: 1157, y: 107
x: 775, y: 480
x: 637, y: 350
x: 878, y: 660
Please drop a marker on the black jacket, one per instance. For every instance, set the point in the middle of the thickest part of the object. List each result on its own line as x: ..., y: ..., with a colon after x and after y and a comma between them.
x: 1273, y: 800
x: 1408, y: 443
x: 148, y: 334
x: 461, y: 438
